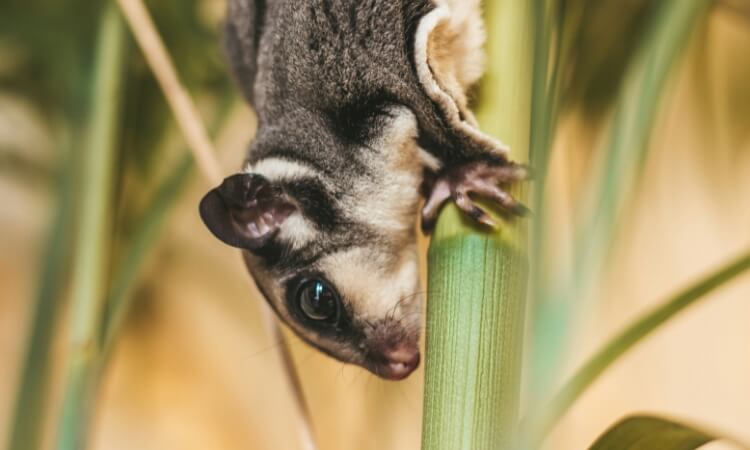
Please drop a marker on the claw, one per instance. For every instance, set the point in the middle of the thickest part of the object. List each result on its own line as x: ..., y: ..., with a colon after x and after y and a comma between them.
x: 481, y: 179
x: 467, y: 205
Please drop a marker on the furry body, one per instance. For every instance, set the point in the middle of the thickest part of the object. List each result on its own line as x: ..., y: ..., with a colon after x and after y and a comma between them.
x: 356, y: 100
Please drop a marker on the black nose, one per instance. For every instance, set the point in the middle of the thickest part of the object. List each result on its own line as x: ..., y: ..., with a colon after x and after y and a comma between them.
x: 398, y: 362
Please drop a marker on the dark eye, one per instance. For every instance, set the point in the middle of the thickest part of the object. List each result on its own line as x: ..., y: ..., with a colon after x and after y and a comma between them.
x: 318, y: 301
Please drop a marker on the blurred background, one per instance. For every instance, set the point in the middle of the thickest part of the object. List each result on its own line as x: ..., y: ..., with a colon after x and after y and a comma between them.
x: 192, y: 367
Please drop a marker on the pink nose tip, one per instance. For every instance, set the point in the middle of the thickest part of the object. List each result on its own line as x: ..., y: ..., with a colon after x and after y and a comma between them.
x: 399, y: 363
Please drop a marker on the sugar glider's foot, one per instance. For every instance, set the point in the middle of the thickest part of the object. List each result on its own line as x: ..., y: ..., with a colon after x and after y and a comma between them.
x: 466, y: 182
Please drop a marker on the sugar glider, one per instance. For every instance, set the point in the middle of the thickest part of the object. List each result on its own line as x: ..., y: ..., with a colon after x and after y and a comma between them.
x: 362, y: 111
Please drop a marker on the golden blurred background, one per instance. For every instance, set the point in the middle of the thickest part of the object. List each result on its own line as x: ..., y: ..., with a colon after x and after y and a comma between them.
x: 194, y: 368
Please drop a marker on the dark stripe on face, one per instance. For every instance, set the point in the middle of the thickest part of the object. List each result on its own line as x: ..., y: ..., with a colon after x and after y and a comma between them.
x: 283, y: 260
x: 356, y: 119
x: 317, y: 203
x: 337, y: 231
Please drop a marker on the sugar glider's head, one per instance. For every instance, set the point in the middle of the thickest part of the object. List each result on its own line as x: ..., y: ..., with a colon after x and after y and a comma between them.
x: 332, y: 247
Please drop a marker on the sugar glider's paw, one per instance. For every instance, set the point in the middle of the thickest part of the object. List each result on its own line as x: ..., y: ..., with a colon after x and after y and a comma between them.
x: 465, y: 183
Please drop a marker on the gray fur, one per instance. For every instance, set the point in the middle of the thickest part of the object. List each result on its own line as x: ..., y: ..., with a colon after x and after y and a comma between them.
x: 337, y: 92
x: 323, y: 62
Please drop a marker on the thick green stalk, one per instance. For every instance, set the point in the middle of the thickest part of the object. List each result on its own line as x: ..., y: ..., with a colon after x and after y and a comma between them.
x: 477, y: 280
x: 631, y: 336
x: 90, y: 260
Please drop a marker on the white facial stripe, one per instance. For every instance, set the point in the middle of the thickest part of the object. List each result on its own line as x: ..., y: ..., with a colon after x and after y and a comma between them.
x: 275, y: 169
x: 403, y: 126
x: 297, y: 230
x: 363, y: 277
x: 390, y: 203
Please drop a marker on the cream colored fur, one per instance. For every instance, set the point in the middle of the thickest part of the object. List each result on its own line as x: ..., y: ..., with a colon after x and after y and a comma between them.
x: 449, y: 59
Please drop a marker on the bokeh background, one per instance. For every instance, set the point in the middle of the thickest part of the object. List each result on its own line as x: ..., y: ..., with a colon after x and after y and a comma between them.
x: 193, y: 367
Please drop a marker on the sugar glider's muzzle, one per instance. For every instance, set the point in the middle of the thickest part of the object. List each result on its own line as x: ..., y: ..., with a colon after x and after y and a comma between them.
x: 392, y: 352
x: 395, y: 363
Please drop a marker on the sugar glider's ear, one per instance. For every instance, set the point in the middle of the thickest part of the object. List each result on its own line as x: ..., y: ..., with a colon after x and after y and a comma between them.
x: 246, y: 211
x: 449, y: 58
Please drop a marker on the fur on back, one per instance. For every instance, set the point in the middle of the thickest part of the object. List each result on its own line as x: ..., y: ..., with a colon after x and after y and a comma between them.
x: 333, y: 63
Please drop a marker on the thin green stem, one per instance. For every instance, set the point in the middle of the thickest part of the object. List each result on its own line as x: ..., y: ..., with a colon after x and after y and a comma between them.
x: 119, y: 300
x: 90, y: 260
x: 631, y: 336
x: 540, y: 129
x: 150, y: 224
x: 634, y: 120
x: 31, y: 402
x: 540, y: 138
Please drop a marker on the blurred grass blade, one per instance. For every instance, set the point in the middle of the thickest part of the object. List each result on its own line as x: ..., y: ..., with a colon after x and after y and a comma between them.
x: 476, y: 280
x: 149, y: 225
x: 543, y: 123
x: 30, y: 410
x: 542, y: 92
x: 90, y: 259
x: 631, y: 336
x: 183, y: 108
x: 635, y: 115
x: 651, y: 433
x: 125, y: 276
x: 554, y: 22
x: 541, y: 128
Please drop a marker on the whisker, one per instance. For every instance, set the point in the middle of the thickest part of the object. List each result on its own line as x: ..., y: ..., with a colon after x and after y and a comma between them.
x: 268, y: 348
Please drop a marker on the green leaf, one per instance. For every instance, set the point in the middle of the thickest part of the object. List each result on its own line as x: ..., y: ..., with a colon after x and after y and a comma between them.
x: 651, y: 433
x: 540, y: 425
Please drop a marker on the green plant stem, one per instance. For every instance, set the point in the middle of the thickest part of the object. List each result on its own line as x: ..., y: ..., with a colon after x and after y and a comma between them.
x: 477, y: 280
x: 119, y: 300
x: 31, y: 402
x: 90, y: 260
x: 149, y: 226
x: 635, y: 115
x: 475, y: 328
x: 631, y: 336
